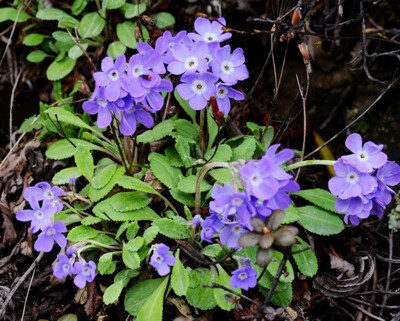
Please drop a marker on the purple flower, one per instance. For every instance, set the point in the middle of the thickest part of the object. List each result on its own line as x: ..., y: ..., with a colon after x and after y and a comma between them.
x: 166, y: 42
x: 130, y: 118
x: 71, y: 251
x: 49, y: 235
x: 244, y: 278
x: 281, y: 200
x: 232, y: 207
x: 366, y: 157
x: 110, y: 76
x: 161, y: 259
x: 222, y: 95
x: 188, y: 60
x: 40, y: 216
x: 389, y: 174
x: 230, y: 235
x: 197, y: 88
x: 101, y: 106
x: 84, y: 273
x: 197, y: 220
x: 140, y: 76
x: 207, y: 230
x: 160, y: 47
x: 153, y: 98
x: 63, y: 267
x: 230, y: 68
x: 43, y: 191
x: 209, y: 31
x: 349, y: 182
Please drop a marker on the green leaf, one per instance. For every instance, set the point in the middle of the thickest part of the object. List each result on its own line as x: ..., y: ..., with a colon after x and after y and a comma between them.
x: 97, y: 194
x: 132, y: 230
x: 59, y: 69
x: 63, y: 115
x: 212, y: 250
x: 185, y: 106
x: 183, y: 148
x: 126, y: 34
x: 291, y: 215
x: 62, y: 149
x: 105, y: 211
x: 179, y: 277
x: 84, y: 161
x: 163, y: 170
x: 173, y: 156
x: 201, y: 297
x: 82, y: 233
x: 63, y: 36
x: 187, y: 129
x: 267, y: 138
x: 138, y: 294
x: 245, y: 150
x: 33, y: 39
x: 90, y: 220
x: 75, y: 52
x: 78, y: 6
x: 106, y: 240
x: 172, y: 229
x: 163, y: 19
x: 135, y: 244
x: 184, y: 198
x: 212, y: 129
x: 129, y: 201
x: 13, y: 14
x: 36, y: 56
x: 130, y: 182
x: 158, y: 132
x: 64, y: 175
x: 130, y: 10
x: 91, y: 25
x: 68, y: 317
x: 130, y: 258
x: 153, y: 307
x: 219, y: 294
x: 113, y: 292
x: 115, y: 49
x: 221, y: 175
x: 188, y: 185
x: 319, y: 197
x: 273, y: 266
x: 53, y: 14
x: 319, y: 221
x: 150, y: 234
x: 103, y: 176
x: 223, y: 154
x: 306, y: 261
x: 112, y: 4
x: 106, y: 265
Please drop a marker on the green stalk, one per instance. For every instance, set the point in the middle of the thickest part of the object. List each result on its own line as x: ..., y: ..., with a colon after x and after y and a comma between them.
x: 310, y: 162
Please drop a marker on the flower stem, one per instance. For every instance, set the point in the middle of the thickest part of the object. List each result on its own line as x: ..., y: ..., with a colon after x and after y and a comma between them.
x: 309, y: 163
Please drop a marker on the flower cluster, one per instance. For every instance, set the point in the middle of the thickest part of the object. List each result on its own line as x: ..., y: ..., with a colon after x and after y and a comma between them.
x: 362, y: 180
x: 266, y: 186
x: 72, y: 263
x: 265, y: 190
x: 245, y: 276
x: 45, y: 203
x: 132, y: 91
x: 161, y: 259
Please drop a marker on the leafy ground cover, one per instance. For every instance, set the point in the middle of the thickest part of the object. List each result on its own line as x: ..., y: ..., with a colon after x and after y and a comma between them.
x: 200, y: 187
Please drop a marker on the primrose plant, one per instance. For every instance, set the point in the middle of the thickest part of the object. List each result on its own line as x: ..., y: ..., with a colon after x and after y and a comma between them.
x: 138, y: 176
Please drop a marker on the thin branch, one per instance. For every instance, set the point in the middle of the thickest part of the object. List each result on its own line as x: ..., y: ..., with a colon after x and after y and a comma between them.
x: 389, y: 272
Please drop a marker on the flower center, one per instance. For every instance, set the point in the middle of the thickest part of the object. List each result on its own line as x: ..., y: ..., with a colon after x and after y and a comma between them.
x: 65, y: 267
x: 362, y: 156
x: 256, y: 179
x: 222, y: 92
x: 227, y: 67
x: 101, y: 102
x: 39, y: 215
x: 48, y: 194
x: 86, y: 271
x: 159, y: 259
x: 199, y: 87
x: 113, y: 75
x: 352, y: 178
x: 208, y: 58
x: 242, y: 275
x: 236, y: 229
x: 237, y: 201
x: 191, y: 63
x: 51, y: 231
x: 210, y: 37
x: 137, y: 71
